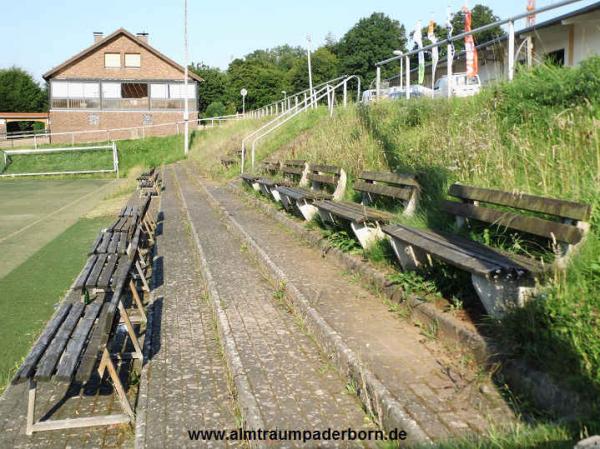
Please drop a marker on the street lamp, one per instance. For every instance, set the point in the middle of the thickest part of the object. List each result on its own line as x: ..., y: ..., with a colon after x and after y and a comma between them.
x: 310, y: 82
x: 186, y: 110
x: 243, y: 93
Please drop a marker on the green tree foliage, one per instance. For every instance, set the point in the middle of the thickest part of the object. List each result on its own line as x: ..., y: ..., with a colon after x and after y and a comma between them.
x: 215, y: 109
x: 325, y: 66
x: 20, y: 93
x: 372, y: 39
x: 214, y: 87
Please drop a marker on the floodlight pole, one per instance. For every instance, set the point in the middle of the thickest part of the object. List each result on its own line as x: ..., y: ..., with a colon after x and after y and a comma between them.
x: 186, y: 111
x: 310, y: 80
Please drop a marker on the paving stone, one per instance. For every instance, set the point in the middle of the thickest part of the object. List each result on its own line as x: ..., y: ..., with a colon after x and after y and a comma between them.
x: 281, y: 362
x: 393, y: 348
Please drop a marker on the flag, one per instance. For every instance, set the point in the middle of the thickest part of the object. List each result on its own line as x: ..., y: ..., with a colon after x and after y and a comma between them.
x: 530, y: 8
x: 449, y: 30
x: 472, y: 62
x: 434, y: 51
x: 418, y: 38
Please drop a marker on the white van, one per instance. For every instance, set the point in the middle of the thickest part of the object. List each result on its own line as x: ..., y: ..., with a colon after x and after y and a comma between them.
x: 462, y: 86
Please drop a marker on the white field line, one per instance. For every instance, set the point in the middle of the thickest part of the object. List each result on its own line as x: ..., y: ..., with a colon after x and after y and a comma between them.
x: 72, y: 203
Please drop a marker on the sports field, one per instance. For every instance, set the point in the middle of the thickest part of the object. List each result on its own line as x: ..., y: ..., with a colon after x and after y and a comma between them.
x: 34, y: 212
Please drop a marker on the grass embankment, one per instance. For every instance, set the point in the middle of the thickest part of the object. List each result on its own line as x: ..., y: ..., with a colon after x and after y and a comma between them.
x: 539, y: 134
x: 147, y: 152
x: 30, y: 292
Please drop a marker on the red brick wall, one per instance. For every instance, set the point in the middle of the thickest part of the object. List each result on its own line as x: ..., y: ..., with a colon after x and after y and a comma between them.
x: 92, y: 66
x: 65, y: 121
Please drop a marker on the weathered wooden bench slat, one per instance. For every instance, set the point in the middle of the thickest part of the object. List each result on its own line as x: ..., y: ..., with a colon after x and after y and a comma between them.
x: 49, y: 360
x: 551, y: 206
x: 92, y: 279
x: 106, y: 236
x: 324, y: 179
x: 380, y: 189
x: 389, y: 177
x: 68, y: 362
x: 114, y: 242
x: 96, y: 243
x: 26, y: 370
x: 96, y: 344
x: 122, y: 246
x: 107, y: 272
x: 292, y: 170
x: 532, y: 225
x: 354, y: 211
x: 80, y: 282
x: 299, y: 193
x: 323, y: 168
x: 296, y: 162
x: 449, y: 249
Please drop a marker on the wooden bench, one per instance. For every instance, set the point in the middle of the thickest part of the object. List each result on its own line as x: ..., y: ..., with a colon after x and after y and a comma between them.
x: 231, y: 158
x: 292, y: 171
x: 149, y: 183
x: 366, y: 221
x: 501, y: 280
x: 76, y: 341
x: 326, y: 183
x: 267, y: 167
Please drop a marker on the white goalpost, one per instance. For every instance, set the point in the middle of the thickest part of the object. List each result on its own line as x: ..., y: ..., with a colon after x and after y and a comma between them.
x: 60, y: 161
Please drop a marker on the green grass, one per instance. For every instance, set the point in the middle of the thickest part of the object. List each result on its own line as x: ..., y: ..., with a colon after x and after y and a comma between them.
x: 145, y: 153
x: 538, y: 134
x: 31, y: 291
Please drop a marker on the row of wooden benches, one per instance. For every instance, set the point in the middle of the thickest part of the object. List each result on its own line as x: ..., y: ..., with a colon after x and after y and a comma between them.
x: 77, y: 341
x: 501, y: 279
x: 150, y: 182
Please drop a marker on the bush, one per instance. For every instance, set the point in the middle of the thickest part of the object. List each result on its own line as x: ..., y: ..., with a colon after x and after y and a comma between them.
x: 215, y: 109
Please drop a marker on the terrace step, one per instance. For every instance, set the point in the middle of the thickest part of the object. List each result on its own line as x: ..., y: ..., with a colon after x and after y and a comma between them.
x: 285, y: 381
x: 410, y: 378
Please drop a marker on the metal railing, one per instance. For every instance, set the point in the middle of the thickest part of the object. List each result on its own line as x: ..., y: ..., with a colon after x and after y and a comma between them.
x: 448, y: 42
x: 309, y: 101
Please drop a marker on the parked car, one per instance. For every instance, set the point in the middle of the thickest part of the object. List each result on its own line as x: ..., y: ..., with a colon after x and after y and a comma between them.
x: 416, y: 90
x: 462, y: 86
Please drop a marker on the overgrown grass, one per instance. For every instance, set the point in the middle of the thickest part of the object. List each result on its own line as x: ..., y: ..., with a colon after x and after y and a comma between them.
x: 31, y: 291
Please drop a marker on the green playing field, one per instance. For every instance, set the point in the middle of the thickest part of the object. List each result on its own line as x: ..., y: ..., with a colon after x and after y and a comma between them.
x: 33, y: 212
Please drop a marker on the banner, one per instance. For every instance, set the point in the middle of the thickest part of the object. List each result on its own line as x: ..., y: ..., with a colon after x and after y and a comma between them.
x: 531, y: 8
x: 449, y: 30
x: 418, y: 38
x: 434, y: 51
x: 472, y: 62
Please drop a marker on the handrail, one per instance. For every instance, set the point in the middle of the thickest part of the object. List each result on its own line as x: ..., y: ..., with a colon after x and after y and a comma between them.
x: 328, y: 90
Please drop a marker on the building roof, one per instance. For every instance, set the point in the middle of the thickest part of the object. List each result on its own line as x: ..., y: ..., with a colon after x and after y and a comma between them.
x: 107, y: 39
x: 557, y: 20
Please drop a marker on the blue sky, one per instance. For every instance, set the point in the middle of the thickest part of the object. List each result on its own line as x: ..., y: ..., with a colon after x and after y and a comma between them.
x: 39, y: 34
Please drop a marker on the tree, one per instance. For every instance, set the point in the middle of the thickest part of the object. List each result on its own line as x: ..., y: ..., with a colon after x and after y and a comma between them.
x: 324, y: 64
x: 371, y: 40
x: 20, y: 93
x: 215, y: 109
x: 214, y: 87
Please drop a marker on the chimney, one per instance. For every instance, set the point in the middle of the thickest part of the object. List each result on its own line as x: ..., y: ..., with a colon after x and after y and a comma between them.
x: 143, y: 37
x: 98, y: 36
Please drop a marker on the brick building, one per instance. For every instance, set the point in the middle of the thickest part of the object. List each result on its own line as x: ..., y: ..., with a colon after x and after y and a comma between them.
x: 120, y: 81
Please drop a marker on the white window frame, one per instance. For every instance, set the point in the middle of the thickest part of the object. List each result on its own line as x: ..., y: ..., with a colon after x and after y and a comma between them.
x: 139, y: 60
x: 106, y: 55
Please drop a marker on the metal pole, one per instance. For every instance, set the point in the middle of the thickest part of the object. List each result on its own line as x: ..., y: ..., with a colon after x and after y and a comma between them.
x: 401, y: 74
x: 346, y: 92
x: 511, y: 50
x: 310, y: 80
x: 449, y: 49
x: 529, y: 51
x: 378, y: 83
x: 186, y: 112
x: 407, y: 60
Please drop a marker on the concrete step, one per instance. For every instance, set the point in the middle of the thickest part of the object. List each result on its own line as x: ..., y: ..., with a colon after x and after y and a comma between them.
x: 184, y: 384
x: 282, y: 378
x: 405, y: 379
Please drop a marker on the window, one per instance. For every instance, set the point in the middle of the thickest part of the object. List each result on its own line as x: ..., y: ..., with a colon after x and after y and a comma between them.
x: 112, y: 60
x: 159, y: 91
x: 133, y: 60
x: 178, y: 90
x: 134, y: 90
x: 111, y: 90
x: 556, y: 57
x: 68, y: 89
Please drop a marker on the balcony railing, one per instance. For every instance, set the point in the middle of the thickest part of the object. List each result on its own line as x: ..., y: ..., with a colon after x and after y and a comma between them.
x: 122, y: 104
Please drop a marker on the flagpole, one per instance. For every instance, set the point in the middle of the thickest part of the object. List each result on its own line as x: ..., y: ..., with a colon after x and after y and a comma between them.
x: 186, y: 111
